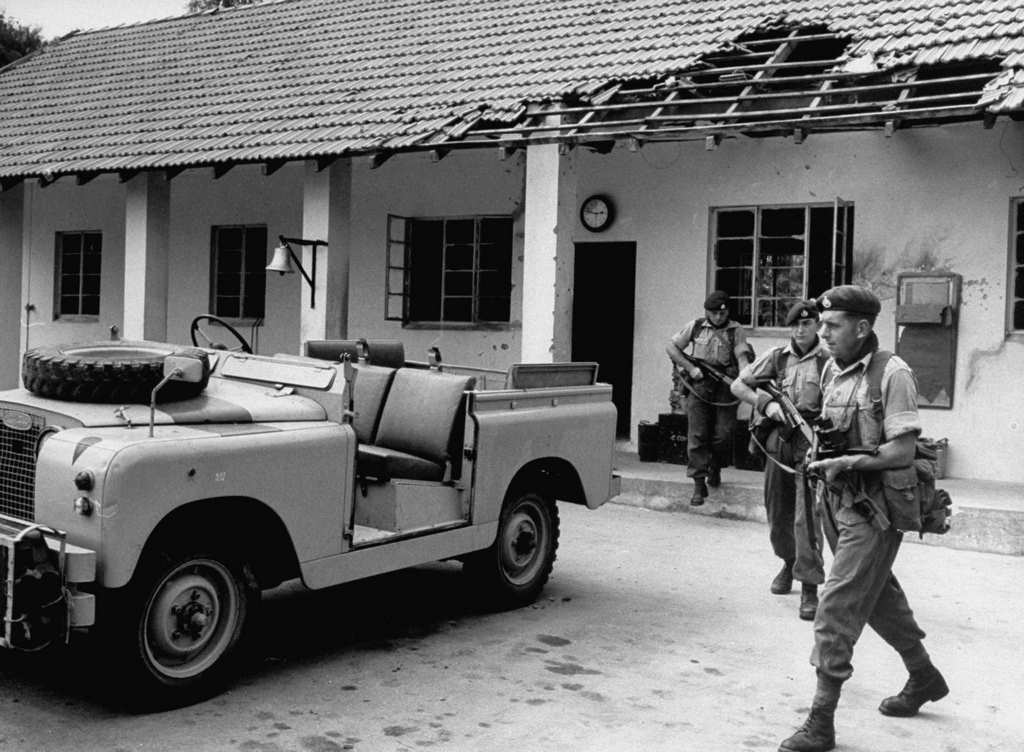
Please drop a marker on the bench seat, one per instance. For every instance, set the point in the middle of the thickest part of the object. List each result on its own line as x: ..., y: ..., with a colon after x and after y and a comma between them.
x: 384, y: 464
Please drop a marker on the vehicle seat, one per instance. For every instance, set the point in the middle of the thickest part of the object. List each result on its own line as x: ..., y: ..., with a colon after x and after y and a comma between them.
x: 371, y: 391
x: 331, y: 349
x: 413, y: 439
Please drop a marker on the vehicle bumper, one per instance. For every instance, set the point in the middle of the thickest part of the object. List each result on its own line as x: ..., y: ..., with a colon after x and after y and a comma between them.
x: 39, y: 577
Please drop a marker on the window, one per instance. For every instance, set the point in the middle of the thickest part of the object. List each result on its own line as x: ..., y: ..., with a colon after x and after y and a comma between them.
x: 768, y: 257
x: 1015, y: 298
x: 239, y: 271
x: 78, y: 274
x: 449, y: 270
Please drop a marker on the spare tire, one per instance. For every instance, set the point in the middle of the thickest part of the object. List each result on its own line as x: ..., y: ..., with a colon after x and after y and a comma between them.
x: 122, y: 372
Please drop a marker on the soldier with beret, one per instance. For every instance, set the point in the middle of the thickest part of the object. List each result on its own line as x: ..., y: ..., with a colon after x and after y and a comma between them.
x: 793, y: 525
x: 710, y: 408
x: 860, y: 588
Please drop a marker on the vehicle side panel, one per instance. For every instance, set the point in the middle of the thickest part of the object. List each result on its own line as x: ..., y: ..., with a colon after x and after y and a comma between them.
x: 514, y: 428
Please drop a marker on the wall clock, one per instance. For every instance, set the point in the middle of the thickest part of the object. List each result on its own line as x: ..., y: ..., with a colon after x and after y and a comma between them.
x: 597, y: 213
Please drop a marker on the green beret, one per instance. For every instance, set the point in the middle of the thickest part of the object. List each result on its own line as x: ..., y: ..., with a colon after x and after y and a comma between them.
x: 800, y: 310
x: 717, y: 301
x: 851, y: 298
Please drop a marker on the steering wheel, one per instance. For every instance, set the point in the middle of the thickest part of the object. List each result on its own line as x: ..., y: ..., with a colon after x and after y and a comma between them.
x: 195, y: 329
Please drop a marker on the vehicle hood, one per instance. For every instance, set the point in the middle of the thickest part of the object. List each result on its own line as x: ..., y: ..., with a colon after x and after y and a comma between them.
x: 221, y: 402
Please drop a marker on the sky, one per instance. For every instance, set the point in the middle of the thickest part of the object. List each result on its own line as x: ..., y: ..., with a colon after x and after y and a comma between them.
x: 58, y: 17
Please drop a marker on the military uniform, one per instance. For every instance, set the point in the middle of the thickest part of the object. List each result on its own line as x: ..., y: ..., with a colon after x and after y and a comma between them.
x: 860, y: 588
x: 711, y: 408
x: 794, y: 538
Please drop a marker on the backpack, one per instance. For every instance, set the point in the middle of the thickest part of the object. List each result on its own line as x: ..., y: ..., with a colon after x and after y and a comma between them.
x: 913, y: 502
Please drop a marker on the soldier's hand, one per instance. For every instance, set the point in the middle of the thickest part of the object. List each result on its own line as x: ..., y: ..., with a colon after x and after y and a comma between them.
x: 696, y: 374
x: 831, y: 467
x: 774, y: 411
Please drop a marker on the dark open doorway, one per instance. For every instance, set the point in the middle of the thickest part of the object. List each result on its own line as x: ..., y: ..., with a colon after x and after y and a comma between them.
x: 602, y: 317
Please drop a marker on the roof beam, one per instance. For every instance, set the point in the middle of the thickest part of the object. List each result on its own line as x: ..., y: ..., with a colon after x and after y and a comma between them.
x: 86, y: 177
x: 376, y: 160
x: 436, y: 155
x: 269, y: 168
x: 7, y: 183
x: 506, y: 150
x: 47, y: 179
x: 123, y: 176
x: 221, y: 169
x: 322, y: 163
x: 171, y: 173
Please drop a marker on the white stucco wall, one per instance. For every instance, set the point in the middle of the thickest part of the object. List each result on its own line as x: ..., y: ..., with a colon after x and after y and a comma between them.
x: 463, y: 183
x: 943, y: 192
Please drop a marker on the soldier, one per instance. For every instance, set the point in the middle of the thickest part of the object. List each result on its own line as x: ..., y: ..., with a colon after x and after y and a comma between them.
x: 861, y: 588
x: 793, y: 524
x: 711, y: 408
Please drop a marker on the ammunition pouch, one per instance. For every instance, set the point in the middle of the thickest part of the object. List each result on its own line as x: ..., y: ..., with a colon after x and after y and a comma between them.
x: 914, y: 504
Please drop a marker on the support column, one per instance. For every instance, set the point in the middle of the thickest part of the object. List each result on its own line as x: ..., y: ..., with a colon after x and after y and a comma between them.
x: 548, y: 254
x: 326, y: 206
x: 146, y: 242
x: 12, y: 312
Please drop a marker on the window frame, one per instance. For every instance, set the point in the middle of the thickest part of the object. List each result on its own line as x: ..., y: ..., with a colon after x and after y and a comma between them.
x: 1013, y: 269
x: 398, y: 272
x: 214, y: 266
x: 58, y: 272
x: 840, y: 262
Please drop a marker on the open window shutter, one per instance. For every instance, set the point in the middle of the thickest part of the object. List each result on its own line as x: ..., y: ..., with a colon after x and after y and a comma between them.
x: 396, y: 298
x: 842, y: 241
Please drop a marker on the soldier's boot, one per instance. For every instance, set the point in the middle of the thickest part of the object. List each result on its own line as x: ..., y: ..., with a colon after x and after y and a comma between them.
x: 714, y: 476
x: 700, y: 491
x: 924, y: 685
x: 808, y: 601
x: 818, y: 733
x: 783, y: 581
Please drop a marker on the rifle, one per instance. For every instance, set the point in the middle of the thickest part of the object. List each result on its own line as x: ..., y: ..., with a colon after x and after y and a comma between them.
x: 707, y: 369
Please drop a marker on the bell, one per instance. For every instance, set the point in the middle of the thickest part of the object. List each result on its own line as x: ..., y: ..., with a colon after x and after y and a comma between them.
x: 281, y: 263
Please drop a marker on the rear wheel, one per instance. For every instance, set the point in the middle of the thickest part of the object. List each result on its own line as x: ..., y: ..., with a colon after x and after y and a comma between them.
x: 513, y: 570
x: 179, y: 629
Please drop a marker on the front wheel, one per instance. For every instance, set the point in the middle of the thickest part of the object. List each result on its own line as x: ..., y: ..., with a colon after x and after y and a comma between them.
x: 180, y: 628
x: 513, y: 570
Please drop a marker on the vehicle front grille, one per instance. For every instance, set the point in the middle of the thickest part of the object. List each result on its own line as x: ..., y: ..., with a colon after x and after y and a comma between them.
x: 19, y: 437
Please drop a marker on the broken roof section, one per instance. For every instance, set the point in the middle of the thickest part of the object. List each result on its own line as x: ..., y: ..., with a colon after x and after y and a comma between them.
x: 317, y: 79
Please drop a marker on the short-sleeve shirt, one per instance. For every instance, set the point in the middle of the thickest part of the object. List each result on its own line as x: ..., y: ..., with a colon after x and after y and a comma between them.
x: 801, y: 381
x: 710, y: 344
x: 847, y: 402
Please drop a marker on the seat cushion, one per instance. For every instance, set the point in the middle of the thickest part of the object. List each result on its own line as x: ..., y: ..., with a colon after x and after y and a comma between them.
x: 384, y: 464
x: 369, y: 395
x: 331, y: 349
x: 420, y: 411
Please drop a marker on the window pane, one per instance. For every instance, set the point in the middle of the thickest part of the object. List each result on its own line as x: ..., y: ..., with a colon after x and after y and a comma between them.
x: 496, y: 230
x: 69, y: 305
x: 1018, y: 315
x: 69, y: 284
x: 254, y: 289
x: 229, y: 284
x: 741, y: 310
x: 229, y: 238
x: 458, y: 257
x: 228, y: 307
x: 90, y: 284
x: 458, y: 309
x: 782, y: 221
x: 493, y: 284
x: 735, y: 224
x: 494, y: 309
x: 90, y: 305
x: 91, y: 263
x: 736, y: 282
x: 458, y: 283
x: 1020, y: 215
x: 71, y: 242
x: 459, y: 231
x: 1020, y: 247
x: 734, y: 252
x: 1018, y: 286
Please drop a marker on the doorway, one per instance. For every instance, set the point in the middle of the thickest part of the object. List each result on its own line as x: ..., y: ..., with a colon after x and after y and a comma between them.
x: 602, y: 318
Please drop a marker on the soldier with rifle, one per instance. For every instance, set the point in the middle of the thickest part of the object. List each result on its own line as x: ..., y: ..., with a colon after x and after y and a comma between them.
x: 866, y: 433
x: 718, y: 346
x: 783, y: 386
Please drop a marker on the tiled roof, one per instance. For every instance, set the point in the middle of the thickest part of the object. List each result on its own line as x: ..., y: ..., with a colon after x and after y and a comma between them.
x: 295, y: 79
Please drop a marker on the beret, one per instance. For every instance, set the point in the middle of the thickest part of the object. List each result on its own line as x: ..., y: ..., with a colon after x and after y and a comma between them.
x: 851, y: 298
x: 718, y: 300
x: 802, y: 309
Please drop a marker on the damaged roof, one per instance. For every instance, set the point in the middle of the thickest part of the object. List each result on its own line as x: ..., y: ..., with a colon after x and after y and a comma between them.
x: 302, y: 79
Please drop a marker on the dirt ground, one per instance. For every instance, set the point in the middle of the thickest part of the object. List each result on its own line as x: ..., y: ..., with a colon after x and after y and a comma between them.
x: 657, y: 632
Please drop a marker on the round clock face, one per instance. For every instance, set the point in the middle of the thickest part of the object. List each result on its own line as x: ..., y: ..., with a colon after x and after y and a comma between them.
x: 596, y: 213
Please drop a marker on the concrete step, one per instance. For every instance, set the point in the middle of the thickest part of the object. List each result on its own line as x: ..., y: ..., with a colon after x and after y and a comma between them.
x: 987, y: 516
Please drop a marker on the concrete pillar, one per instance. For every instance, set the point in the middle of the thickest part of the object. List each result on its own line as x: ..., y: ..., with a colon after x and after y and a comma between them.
x: 549, y: 219
x: 146, y: 241
x: 12, y: 313
x: 326, y: 206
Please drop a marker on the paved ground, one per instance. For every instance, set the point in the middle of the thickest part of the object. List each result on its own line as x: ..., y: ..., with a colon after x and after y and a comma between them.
x: 657, y: 632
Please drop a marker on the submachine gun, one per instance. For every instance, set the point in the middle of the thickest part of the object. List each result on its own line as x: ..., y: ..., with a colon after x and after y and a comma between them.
x: 710, y: 372
x: 826, y: 441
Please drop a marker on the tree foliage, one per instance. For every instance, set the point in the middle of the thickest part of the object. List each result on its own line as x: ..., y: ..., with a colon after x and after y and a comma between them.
x: 16, y: 40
